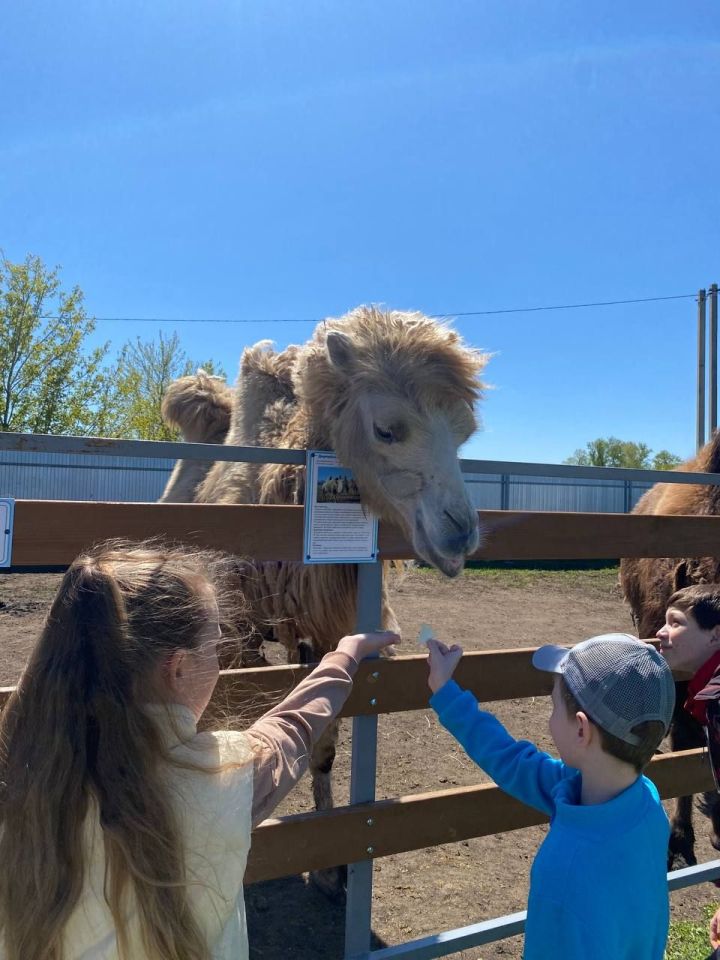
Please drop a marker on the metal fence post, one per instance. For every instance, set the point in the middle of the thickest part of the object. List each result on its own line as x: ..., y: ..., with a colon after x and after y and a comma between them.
x: 505, y: 491
x: 358, y: 911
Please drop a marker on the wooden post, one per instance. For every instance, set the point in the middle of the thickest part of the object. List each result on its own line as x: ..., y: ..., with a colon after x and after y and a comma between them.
x: 700, y: 438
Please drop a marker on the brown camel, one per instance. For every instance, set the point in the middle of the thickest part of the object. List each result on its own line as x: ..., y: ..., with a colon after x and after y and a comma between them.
x: 647, y: 584
x: 393, y: 394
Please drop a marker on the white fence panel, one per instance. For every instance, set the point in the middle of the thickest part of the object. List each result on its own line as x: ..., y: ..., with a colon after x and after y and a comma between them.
x: 66, y: 476
x: 53, y: 476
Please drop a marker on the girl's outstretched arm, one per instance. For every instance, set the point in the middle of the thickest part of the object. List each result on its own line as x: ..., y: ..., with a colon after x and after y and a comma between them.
x: 283, y: 738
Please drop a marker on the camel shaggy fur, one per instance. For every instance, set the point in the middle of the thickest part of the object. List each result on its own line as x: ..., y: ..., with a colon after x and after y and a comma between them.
x: 647, y: 584
x: 394, y: 395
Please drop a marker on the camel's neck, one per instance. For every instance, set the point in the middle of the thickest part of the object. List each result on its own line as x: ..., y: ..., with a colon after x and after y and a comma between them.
x: 310, y: 432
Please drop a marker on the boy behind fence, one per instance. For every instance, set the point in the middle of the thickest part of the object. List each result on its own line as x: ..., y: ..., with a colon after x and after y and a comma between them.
x: 598, y: 887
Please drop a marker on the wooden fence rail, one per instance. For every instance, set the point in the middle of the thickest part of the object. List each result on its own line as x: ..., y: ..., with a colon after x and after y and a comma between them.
x: 53, y: 532
x: 396, y: 685
x: 311, y: 841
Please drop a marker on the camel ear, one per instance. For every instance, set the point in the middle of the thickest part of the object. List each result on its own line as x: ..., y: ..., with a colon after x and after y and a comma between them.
x: 341, y: 351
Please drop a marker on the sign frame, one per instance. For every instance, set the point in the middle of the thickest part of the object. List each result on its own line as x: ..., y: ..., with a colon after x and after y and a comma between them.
x: 327, y: 519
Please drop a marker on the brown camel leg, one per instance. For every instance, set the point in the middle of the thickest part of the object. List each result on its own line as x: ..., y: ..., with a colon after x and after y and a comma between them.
x: 685, y: 733
x: 321, y: 762
x: 333, y: 880
x: 682, y: 835
x: 710, y: 806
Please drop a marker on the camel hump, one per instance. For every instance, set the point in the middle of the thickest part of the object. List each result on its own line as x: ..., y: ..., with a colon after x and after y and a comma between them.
x: 710, y: 455
x: 200, y: 406
x: 270, y: 373
x: 266, y: 394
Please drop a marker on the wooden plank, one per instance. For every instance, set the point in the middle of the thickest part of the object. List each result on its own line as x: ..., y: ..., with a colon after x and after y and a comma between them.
x: 313, y: 841
x: 563, y: 536
x: 397, y: 685
x: 49, y: 532
x: 545, y: 535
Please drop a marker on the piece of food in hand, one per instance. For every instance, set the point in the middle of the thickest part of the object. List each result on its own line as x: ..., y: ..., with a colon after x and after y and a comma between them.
x: 426, y: 633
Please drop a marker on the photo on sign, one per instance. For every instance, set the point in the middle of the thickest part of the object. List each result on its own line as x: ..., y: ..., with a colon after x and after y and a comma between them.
x: 336, y: 485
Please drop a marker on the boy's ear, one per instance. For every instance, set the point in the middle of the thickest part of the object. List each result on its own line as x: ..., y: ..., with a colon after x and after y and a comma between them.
x: 584, y: 728
x: 715, y: 636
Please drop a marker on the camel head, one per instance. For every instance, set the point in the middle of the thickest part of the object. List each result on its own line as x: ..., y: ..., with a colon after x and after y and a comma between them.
x: 393, y: 394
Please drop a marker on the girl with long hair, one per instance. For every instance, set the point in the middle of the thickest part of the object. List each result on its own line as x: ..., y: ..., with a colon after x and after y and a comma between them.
x: 124, y: 832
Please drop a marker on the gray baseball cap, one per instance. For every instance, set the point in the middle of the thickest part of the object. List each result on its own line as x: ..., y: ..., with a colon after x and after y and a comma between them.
x: 618, y: 680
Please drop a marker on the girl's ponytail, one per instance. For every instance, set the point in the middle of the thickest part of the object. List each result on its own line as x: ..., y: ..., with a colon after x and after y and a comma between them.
x: 45, y: 741
x: 75, y: 733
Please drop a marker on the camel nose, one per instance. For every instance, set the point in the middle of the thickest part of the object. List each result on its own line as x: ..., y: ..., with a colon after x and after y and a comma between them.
x: 464, y: 531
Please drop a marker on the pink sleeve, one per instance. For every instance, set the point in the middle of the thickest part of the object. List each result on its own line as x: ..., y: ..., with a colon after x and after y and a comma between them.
x: 283, y: 738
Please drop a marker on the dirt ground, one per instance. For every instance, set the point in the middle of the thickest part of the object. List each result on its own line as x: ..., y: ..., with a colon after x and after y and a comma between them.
x: 427, y: 891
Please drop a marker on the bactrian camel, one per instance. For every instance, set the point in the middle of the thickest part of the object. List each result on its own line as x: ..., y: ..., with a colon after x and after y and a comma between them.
x: 394, y: 395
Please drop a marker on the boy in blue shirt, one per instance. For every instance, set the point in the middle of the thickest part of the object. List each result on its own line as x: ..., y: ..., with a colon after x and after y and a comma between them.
x: 598, y: 886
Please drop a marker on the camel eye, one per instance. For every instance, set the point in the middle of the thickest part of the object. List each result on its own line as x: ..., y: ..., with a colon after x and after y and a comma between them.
x: 384, y: 436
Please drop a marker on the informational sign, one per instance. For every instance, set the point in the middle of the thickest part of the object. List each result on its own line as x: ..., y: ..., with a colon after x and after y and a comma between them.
x: 337, y: 527
x: 7, y: 510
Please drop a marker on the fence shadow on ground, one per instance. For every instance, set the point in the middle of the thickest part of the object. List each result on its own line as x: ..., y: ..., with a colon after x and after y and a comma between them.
x: 291, y: 918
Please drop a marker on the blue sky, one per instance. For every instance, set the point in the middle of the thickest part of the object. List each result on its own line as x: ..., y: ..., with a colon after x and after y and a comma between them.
x: 285, y: 161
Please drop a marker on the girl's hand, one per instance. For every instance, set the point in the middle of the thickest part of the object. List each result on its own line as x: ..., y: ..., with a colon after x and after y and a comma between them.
x: 361, y: 645
x: 442, y: 661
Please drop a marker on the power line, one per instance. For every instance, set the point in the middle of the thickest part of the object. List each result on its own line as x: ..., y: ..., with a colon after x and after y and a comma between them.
x: 437, y: 316
x: 567, y: 306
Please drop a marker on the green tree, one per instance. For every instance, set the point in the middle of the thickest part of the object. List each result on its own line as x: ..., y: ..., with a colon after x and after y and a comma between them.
x: 611, y: 452
x: 144, y: 370
x: 48, y: 382
x: 664, y: 460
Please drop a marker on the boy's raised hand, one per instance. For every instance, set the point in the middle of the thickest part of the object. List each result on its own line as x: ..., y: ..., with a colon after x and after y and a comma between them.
x: 442, y: 661
x: 360, y: 645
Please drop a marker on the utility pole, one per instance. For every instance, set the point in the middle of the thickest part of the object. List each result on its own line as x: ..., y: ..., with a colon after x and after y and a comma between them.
x: 713, y: 357
x: 700, y: 438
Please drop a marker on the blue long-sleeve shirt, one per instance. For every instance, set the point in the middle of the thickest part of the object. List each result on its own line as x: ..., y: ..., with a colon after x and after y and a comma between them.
x: 598, y: 886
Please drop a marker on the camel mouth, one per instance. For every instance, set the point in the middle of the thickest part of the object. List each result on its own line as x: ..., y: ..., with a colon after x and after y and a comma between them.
x: 451, y: 567
x: 449, y: 564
